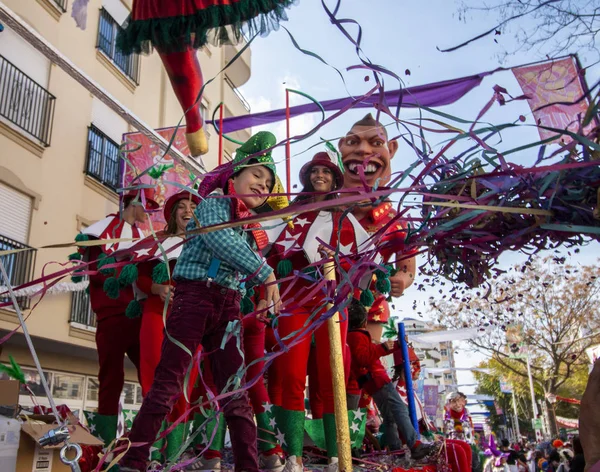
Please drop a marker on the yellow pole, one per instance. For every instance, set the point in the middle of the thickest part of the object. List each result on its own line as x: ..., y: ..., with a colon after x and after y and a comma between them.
x: 336, y: 361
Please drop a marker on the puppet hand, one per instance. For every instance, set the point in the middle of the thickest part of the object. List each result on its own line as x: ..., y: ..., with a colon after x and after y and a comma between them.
x: 398, y: 284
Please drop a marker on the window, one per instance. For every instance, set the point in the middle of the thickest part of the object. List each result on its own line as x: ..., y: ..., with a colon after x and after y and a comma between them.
x: 15, y: 213
x: 68, y: 387
x: 25, y: 103
x: 103, y: 158
x: 444, y: 352
x: 62, y: 4
x: 448, y: 377
x: 92, y: 390
x: 107, y: 38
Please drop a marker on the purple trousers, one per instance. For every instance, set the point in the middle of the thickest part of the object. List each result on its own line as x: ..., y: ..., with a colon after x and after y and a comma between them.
x: 200, y: 315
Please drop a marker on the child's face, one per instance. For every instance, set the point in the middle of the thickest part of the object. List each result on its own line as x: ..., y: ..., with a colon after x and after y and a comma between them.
x: 457, y: 405
x: 252, y: 185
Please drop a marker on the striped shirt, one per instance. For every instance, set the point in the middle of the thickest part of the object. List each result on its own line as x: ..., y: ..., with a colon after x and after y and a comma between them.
x: 233, y: 247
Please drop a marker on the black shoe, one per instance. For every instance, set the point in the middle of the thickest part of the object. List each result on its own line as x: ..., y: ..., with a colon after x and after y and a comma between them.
x: 421, y: 450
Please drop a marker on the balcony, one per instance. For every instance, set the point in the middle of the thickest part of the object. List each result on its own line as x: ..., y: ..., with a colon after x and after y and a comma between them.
x: 103, y: 159
x: 237, y: 93
x: 25, y: 103
x: 107, y: 38
x: 19, y: 266
x: 239, y: 70
x: 81, y: 310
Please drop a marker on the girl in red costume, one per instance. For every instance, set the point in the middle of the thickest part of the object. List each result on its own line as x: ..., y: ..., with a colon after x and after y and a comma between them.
x: 176, y: 28
x: 294, y: 248
x: 153, y: 279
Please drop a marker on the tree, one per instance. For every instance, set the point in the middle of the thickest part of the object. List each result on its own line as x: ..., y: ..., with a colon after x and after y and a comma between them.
x: 544, y: 308
x: 552, y: 27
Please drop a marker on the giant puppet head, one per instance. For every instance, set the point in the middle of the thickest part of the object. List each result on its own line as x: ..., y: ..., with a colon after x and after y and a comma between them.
x: 367, y: 144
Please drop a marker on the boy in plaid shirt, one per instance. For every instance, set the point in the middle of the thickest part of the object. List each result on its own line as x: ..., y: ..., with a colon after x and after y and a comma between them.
x: 211, y: 275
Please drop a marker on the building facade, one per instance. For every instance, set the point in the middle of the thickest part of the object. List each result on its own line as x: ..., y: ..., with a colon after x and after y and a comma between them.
x: 59, y: 171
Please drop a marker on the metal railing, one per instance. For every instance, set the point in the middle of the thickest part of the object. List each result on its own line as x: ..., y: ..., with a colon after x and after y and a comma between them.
x: 238, y: 93
x: 107, y: 38
x: 62, y: 4
x: 25, y: 103
x: 19, y: 266
x: 103, y: 158
x: 81, y: 309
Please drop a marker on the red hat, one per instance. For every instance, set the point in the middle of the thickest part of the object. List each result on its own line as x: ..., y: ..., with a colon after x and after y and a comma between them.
x: 399, y: 359
x: 144, y: 195
x: 173, y: 199
x: 557, y: 443
x: 325, y: 159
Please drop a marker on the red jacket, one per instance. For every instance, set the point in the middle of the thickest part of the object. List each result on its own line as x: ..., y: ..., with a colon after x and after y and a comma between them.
x: 366, y: 371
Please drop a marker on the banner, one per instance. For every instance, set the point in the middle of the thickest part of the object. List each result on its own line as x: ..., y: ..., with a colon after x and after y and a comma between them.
x: 593, y: 353
x: 149, y: 155
x: 550, y: 88
x: 430, y: 394
x: 568, y: 422
x: 505, y: 387
x: 499, y: 410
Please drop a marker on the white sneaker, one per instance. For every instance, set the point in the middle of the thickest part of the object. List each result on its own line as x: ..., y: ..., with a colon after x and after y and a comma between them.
x: 205, y: 465
x: 272, y: 462
x: 291, y: 465
x: 333, y: 465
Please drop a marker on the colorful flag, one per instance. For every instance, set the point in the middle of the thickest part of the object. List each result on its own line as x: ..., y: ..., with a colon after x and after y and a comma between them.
x: 554, y: 92
x: 430, y: 394
x: 149, y: 155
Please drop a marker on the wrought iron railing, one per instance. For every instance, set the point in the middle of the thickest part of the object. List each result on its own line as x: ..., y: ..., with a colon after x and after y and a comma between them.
x: 25, y: 103
x: 238, y: 93
x: 18, y: 265
x: 107, y: 38
x: 81, y: 310
x: 103, y: 158
x: 62, y: 4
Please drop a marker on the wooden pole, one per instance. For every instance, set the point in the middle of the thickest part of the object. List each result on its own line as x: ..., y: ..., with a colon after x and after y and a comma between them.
x: 288, y: 151
x: 336, y: 361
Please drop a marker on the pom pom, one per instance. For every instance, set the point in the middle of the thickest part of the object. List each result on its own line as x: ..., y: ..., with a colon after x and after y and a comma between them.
x: 246, y: 306
x: 111, y: 288
x: 383, y: 285
x: 134, y: 309
x: 128, y: 275
x: 366, y: 298
x: 250, y: 293
x: 284, y: 268
x: 81, y: 237
x: 381, y: 274
x: 76, y: 279
x: 102, y: 261
x: 75, y: 256
x: 160, y: 273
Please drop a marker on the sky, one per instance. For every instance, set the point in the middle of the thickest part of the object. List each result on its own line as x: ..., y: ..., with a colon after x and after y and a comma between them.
x: 403, y: 37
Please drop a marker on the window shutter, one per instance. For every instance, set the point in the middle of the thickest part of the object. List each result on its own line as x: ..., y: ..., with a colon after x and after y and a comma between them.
x: 15, y: 213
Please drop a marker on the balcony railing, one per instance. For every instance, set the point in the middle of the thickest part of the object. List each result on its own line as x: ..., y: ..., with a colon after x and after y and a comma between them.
x: 238, y: 93
x: 107, y: 38
x: 62, y: 4
x: 81, y: 310
x: 103, y: 158
x: 25, y: 103
x: 19, y: 266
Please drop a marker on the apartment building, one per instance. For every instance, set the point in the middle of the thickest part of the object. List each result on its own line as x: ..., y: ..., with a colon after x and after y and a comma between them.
x: 59, y: 171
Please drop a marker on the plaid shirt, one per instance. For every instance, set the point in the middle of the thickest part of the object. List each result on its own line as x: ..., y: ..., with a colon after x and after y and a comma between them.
x: 234, y: 247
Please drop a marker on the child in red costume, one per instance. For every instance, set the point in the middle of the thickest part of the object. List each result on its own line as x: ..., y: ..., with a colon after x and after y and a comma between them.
x: 459, y: 452
x: 154, y: 281
x: 116, y: 333
x: 371, y: 376
x: 367, y: 145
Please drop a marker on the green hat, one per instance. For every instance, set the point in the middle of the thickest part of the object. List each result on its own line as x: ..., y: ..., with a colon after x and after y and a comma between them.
x: 257, y: 143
